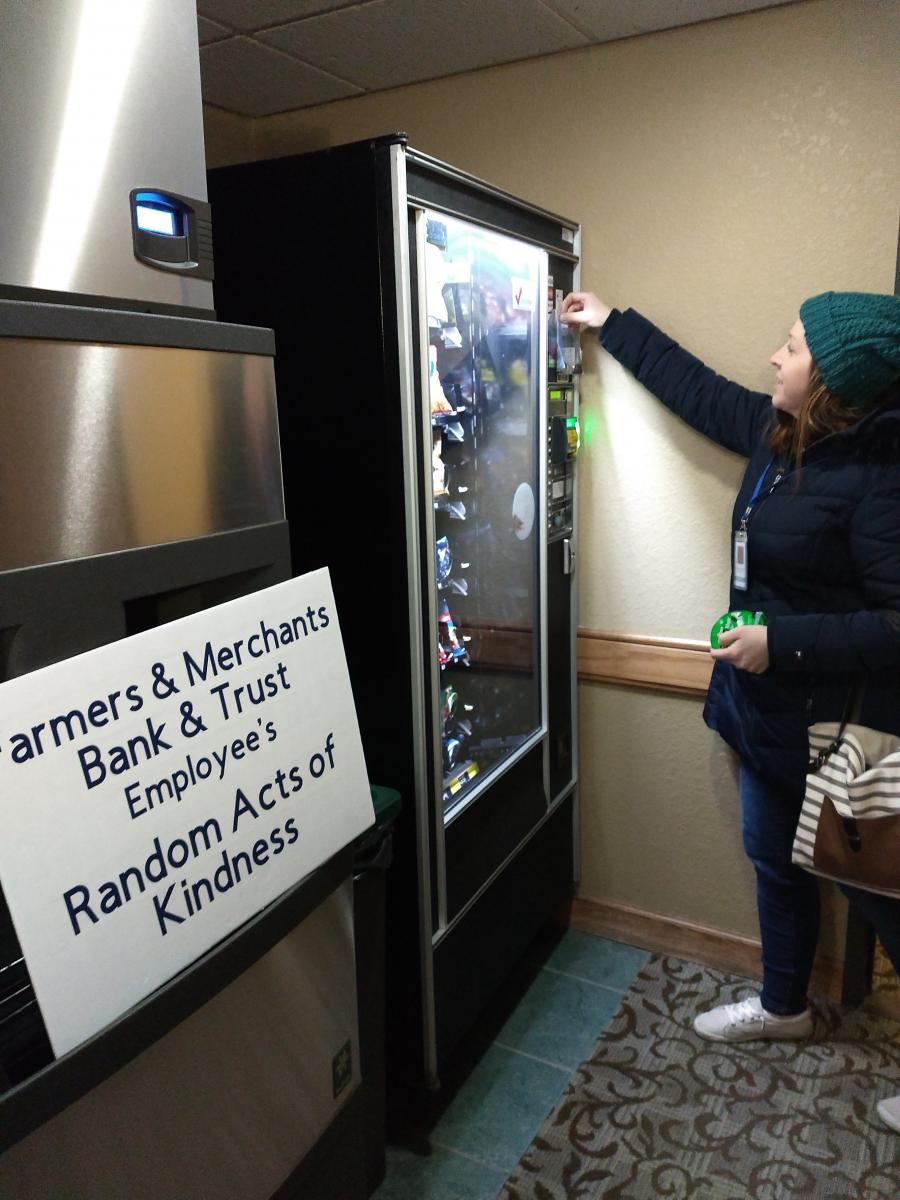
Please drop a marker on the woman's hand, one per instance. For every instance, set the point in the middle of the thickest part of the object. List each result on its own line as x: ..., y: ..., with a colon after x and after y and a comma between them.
x: 746, y: 648
x: 584, y: 310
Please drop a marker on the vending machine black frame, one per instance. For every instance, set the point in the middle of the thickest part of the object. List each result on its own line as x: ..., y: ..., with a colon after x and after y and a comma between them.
x: 311, y: 245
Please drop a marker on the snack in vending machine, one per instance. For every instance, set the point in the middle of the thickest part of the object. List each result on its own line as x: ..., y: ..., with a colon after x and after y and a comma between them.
x: 455, y: 743
x: 443, y: 560
x: 439, y: 402
x: 453, y: 508
x: 457, y: 384
x: 450, y: 335
x: 438, y: 466
x: 436, y: 233
x: 450, y: 643
x: 451, y: 748
x: 449, y: 699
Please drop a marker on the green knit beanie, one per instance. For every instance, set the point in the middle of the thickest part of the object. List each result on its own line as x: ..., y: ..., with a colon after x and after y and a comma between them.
x: 854, y: 338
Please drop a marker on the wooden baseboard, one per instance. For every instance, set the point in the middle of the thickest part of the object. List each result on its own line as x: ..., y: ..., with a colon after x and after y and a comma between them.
x: 635, y: 660
x: 686, y: 939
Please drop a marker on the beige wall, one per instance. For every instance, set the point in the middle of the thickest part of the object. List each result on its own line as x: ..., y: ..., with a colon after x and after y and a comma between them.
x: 228, y: 137
x: 721, y: 172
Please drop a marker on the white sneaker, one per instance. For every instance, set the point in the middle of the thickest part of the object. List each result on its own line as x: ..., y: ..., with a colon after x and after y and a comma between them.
x: 748, y: 1021
x: 889, y: 1111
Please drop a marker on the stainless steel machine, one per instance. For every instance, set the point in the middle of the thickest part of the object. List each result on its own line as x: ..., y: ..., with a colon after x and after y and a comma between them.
x: 140, y: 481
x: 101, y: 125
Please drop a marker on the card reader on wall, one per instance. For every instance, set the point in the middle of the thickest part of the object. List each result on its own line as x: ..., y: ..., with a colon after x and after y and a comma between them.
x: 172, y: 233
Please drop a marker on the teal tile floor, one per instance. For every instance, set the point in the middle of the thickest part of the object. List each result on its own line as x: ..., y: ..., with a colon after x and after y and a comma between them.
x: 511, y: 1070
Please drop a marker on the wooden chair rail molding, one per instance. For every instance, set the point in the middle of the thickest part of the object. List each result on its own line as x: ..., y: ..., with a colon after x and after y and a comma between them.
x: 697, y: 943
x: 665, y: 664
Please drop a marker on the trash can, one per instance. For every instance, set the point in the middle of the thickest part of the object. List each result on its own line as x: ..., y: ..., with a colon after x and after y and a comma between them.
x: 374, y: 854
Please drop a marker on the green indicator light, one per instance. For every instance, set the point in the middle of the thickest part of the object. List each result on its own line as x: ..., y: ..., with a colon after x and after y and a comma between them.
x: 555, y: 394
x: 593, y: 425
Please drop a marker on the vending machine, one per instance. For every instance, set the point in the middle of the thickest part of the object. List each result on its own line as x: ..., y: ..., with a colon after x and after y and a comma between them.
x: 428, y: 407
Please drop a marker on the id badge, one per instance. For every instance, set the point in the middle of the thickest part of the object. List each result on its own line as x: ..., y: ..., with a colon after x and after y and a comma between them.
x: 740, y: 561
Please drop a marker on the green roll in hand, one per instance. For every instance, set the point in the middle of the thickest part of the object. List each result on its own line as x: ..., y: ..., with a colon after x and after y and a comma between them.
x: 732, y: 620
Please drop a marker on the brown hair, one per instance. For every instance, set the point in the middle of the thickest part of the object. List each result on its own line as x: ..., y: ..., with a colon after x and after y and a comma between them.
x: 822, y: 413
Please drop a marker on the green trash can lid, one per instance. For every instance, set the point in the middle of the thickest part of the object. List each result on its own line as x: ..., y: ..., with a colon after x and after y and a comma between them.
x: 387, y: 804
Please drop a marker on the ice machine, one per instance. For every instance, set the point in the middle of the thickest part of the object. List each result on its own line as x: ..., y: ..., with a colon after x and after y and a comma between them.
x: 140, y: 481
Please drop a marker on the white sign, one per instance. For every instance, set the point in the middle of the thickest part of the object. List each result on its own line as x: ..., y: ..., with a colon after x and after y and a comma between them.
x: 158, y: 792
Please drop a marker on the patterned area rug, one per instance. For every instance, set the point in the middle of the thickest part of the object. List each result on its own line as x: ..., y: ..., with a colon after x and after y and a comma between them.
x: 657, y: 1112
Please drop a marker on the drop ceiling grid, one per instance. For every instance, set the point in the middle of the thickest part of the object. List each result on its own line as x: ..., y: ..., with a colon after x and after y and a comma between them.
x: 260, y: 57
x: 243, y: 76
x: 605, y: 21
x: 248, y: 16
x: 212, y: 31
x: 389, y: 42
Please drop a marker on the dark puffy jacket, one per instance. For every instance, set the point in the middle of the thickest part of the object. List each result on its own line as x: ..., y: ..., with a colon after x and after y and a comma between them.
x: 824, y: 556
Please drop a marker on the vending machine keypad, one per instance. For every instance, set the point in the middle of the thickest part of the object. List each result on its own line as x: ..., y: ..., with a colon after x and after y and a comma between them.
x: 563, y: 430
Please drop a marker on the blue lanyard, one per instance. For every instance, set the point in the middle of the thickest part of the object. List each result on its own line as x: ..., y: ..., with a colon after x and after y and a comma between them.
x: 748, y: 511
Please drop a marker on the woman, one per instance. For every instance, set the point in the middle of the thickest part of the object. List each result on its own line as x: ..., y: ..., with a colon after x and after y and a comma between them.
x: 816, y: 546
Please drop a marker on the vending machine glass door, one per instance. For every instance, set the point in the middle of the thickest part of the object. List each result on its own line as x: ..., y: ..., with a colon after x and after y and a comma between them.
x: 480, y: 317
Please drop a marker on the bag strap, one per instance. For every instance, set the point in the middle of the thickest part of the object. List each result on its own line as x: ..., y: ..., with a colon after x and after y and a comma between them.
x: 850, y: 716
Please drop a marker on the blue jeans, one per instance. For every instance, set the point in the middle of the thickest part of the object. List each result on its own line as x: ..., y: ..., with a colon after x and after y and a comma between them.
x: 788, y: 898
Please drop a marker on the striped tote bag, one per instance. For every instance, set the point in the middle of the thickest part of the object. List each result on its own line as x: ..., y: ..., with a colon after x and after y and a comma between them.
x: 849, y: 828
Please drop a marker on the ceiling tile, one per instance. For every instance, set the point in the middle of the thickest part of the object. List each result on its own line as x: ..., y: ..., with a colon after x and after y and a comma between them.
x: 260, y: 14
x: 650, y: 15
x: 607, y: 21
x: 211, y: 32
x: 600, y: 22
x: 385, y: 43
x: 244, y: 77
